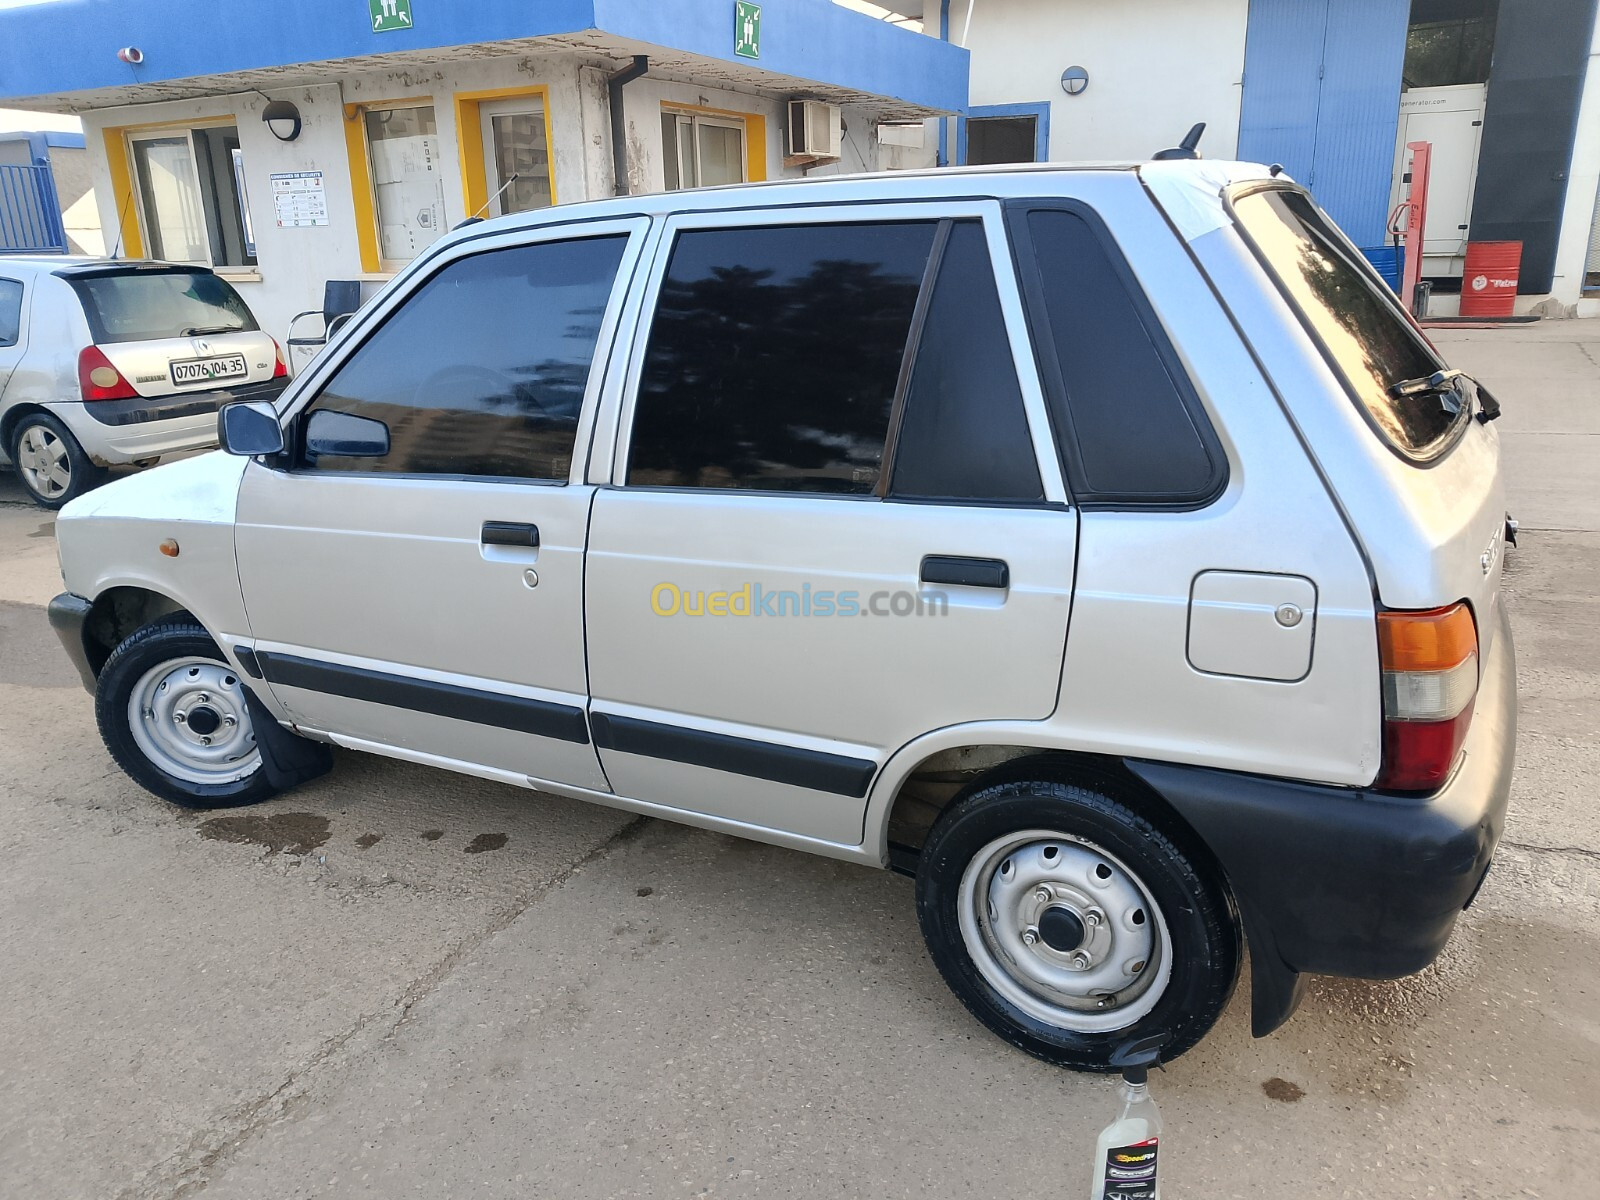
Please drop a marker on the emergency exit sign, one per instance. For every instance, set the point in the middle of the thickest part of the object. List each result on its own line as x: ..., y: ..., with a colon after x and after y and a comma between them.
x: 389, y: 15
x: 747, y: 29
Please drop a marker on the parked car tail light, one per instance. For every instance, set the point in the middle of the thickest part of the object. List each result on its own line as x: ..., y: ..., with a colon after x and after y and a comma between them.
x: 99, y: 379
x: 281, y: 370
x: 1430, y: 679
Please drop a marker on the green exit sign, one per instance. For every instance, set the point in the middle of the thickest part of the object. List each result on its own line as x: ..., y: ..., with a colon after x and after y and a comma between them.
x: 747, y: 29
x: 389, y: 15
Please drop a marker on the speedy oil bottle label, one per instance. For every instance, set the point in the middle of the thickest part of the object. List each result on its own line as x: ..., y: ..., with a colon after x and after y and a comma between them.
x: 1131, y: 1172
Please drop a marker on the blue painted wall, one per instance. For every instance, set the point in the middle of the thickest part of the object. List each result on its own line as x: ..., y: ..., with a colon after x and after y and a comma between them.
x: 1322, y: 97
x: 72, y: 45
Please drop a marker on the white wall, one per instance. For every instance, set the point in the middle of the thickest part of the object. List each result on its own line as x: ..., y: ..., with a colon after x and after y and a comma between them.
x: 18, y: 120
x: 1155, y: 68
x: 1583, y: 182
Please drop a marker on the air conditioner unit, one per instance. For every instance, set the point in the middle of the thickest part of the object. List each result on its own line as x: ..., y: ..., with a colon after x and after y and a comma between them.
x: 815, y: 130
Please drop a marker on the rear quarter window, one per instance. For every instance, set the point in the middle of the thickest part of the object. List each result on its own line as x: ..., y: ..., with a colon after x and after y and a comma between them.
x: 1359, y: 324
x: 10, y: 311
x: 142, y: 306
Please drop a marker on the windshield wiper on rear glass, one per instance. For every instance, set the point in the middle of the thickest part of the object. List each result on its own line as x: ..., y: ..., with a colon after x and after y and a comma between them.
x: 200, y: 331
x: 1447, y: 386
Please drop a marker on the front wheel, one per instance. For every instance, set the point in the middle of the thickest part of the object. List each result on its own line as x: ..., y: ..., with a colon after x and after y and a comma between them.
x: 172, y: 712
x: 50, y: 463
x: 1068, y: 923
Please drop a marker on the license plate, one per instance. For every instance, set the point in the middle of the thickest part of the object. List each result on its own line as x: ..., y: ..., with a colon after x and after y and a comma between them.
x: 209, y: 370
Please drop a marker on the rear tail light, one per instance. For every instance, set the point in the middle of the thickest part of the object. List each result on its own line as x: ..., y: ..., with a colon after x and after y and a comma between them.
x: 99, y: 379
x: 281, y: 370
x: 1430, y: 678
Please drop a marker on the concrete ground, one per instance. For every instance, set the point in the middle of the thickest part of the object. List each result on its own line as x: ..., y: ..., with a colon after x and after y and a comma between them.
x: 400, y: 982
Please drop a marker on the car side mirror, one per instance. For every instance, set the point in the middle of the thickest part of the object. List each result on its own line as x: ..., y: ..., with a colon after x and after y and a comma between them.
x: 345, y: 435
x: 249, y: 428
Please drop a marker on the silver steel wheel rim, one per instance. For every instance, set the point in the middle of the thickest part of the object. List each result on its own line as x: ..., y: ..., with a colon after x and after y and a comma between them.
x: 1122, y: 966
x: 188, y: 717
x: 44, y: 462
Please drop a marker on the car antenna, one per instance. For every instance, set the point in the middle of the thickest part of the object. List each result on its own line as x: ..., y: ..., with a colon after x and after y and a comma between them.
x: 1185, y: 148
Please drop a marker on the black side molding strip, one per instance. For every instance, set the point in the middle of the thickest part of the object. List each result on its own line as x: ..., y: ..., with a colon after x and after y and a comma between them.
x: 543, y: 718
x: 965, y: 572
x: 814, y: 769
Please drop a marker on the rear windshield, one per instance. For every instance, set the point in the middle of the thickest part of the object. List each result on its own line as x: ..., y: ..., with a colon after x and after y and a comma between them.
x: 1359, y: 322
x: 141, y: 306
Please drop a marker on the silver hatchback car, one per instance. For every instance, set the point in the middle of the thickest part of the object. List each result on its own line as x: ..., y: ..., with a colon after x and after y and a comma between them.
x: 1105, y: 548
x: 105, y: 362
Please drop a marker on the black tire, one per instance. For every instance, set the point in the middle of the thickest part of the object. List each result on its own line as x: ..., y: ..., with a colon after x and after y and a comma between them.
x: 1199, y: 915
x: 170, y: 639
x: 82, y: 473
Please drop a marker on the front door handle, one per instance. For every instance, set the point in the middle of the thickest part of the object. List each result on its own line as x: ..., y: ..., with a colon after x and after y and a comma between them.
x: 965, y: 572
x: 511, y: 533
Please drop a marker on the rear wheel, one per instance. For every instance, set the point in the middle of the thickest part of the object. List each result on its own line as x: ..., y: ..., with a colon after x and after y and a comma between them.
x: 1068, y: 923
x: 50, y: 462
x: 172, y: 712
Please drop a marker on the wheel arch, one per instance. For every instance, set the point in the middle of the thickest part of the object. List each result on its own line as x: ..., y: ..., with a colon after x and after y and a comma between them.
x: 120, y: 610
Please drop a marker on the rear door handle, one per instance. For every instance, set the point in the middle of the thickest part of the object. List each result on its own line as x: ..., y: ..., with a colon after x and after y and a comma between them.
x: 965, y: 572
x: 511, y: 533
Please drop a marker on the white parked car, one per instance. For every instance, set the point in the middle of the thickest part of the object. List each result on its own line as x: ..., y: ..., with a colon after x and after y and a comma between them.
x: 1103, y: 547
x: 106, y: 361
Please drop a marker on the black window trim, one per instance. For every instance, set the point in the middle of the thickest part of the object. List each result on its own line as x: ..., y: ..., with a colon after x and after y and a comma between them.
x: 22, y: 300
x: 1057, y: 402
x: 290, y: 460
x: 1433, y: 454
x: 943, y: 221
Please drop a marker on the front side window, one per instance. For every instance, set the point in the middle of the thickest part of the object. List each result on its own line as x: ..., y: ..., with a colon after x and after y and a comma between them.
x: 192, y: 198
x: 482, y: 370
x: 1362, y: 329
x: 774, y: 357
x: 407, y: 180
x: 10, y: 312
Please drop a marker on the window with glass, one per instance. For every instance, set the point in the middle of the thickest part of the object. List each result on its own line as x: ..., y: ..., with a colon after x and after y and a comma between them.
x: 192, y: 199
x: 482, y: 370
x: 517, y: 155
x: 774, y: 356
x: 699, y: 150
x: 1364, y: 333
x: 10, y: 312
x: 963, y: 431
x: 1449, y: 42
x: 407, y: 180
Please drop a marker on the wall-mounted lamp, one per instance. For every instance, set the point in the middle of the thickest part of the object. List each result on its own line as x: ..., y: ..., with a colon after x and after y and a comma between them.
x: 283, y: 118
x: 131, y: 55
x: 1074, y: 81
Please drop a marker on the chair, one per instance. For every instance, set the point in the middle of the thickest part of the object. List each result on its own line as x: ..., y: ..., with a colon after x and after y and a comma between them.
x: 341, y: 298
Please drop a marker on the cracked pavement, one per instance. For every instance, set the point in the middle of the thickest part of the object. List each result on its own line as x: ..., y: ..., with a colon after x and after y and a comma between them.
x: 396, y: 981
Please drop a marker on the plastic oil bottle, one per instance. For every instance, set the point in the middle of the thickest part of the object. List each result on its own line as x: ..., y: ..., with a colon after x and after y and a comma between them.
x: 1126, y: 1156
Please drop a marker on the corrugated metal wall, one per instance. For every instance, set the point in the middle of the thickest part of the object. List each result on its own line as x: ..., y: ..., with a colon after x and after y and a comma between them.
x: 1322, y: 97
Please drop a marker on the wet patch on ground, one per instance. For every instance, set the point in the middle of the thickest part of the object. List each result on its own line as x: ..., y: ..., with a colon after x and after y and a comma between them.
x: 368, y: 840
x: 282, y: 833
x: 432, y: 835
x: 47, y: 530
x: 1282, y: 1089
x: 485, y: 842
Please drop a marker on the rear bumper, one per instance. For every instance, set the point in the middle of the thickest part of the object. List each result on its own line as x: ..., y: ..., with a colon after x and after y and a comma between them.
x: 120, y: 431
x: 68, y: 614
x: 1340, y: 881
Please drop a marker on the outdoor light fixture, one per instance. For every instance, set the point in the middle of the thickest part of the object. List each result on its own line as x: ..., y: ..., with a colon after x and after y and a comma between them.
x: 131, y: 55
x: 283, y: 118
x: 1074, y: 80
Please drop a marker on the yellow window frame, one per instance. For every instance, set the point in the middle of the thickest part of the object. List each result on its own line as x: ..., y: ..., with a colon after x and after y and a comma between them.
x: 755, y: 135
x: 362, y: 192
x: 469, y: 140
x: 119, y: 161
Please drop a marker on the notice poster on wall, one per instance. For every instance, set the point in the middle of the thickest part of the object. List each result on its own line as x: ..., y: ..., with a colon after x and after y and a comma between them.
x: 299, y: 199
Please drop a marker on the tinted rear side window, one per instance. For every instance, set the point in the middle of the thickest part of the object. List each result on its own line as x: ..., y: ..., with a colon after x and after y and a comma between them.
x: 142, y: 306
x: 10, y: 312
x: 964, y: 433
x: 1131, y: 430
x: 1360, y: 325
x: 482, y: 370
x: 774, y: 356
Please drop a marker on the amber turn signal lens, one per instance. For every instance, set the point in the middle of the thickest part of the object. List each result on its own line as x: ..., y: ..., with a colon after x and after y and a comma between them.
x: 1427, y: 641
x: 169, y: 548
